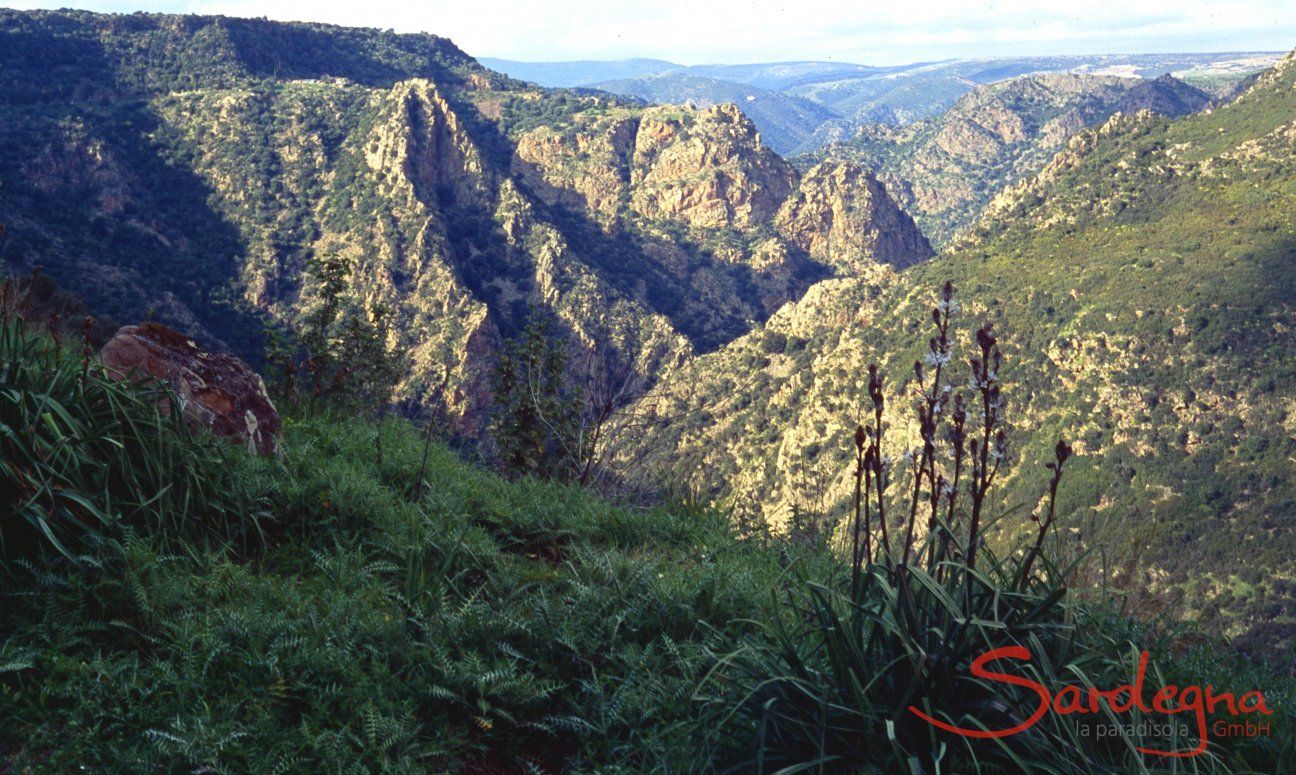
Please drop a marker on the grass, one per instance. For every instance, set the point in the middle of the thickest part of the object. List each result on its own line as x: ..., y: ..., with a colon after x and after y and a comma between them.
x: 81, y: 452
x: 488, y: 625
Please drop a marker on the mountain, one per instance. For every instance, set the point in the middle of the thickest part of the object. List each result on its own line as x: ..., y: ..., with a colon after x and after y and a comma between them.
x: 580, y: 73
x: 852, y: 95
x: 1144, y: 288
x: 208, y: 172
x: 925, y: 90
x: 944, y: 170
x: 784, y: 121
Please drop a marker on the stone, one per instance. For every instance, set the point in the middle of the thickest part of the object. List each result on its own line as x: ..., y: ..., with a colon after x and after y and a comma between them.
x: 216, y: 391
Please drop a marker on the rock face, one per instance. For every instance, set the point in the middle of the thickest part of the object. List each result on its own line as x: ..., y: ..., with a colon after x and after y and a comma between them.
x: 216, y: 390
x: 841, y: 214
x: 710, y: 170
x: 946, y: 169
x: 459, y: 202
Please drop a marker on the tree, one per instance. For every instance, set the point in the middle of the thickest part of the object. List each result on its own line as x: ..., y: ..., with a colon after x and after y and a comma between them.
x: 340, y: 349
x: 536, y: 416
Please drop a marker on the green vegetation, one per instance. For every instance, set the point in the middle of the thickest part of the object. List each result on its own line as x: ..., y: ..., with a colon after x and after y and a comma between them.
x: 535, y: 419
x: 81, y: 453
x: 482, y: 624
x: 1144, y: 283
x: 862, y: 664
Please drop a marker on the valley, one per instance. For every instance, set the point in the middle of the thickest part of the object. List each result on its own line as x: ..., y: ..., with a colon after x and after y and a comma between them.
x: 592, y: 375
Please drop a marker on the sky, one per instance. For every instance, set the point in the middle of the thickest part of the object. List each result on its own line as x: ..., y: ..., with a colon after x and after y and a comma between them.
x: 738, y: 31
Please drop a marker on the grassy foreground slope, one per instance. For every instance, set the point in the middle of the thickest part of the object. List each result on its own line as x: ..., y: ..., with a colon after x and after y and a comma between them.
x: 486, y: 626
x: 327, y: 612
x: 1144, y: 283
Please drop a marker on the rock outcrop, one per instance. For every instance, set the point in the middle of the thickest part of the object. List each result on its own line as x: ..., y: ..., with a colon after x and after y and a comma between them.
x: 708, y: 169
x: 945, y: 170
x: 842, y: 215
x: 216, y: 391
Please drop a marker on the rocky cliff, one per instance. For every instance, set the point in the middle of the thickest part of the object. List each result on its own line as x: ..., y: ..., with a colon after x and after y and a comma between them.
x: 946, y: 169
x: 205, y: 184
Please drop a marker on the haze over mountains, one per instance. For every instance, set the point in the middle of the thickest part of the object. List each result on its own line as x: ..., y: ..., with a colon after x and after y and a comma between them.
x: 851, y: 95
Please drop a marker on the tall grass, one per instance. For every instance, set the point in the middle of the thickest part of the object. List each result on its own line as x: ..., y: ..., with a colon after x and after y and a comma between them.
x: 81, y: 452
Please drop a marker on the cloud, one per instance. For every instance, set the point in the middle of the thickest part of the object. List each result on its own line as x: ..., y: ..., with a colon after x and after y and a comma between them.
x: 695, y: 31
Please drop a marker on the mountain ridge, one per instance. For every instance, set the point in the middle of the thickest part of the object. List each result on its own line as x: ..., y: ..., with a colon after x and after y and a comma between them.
x: 853, y: 95
x: 945, y: 170
x: 459, y: 200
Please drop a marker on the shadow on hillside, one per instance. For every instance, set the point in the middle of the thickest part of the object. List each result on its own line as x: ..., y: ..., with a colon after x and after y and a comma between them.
x: 707, y: 299
x: 91, y: 198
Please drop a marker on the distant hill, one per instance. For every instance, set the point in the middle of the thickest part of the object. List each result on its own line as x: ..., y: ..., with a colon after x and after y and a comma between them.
x: 560, y: 75
x: 782, y: 119
x: 852, y: 95
x: 945, y: 169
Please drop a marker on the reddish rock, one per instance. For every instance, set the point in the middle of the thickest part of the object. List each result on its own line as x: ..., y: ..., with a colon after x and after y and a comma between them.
x: 216, y: 390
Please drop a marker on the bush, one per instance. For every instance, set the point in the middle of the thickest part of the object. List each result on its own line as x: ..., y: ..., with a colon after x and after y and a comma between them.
x: 81, y: 452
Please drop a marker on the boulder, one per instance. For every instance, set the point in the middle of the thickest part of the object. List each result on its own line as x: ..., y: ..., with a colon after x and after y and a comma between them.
x: 216, y: 391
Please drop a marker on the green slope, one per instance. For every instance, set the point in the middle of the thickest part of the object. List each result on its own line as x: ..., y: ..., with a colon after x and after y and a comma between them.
x: 485, y: 626
x: 1145, y: 288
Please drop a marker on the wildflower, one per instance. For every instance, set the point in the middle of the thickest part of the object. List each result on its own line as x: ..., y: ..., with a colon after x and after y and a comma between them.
x: 937, y: 359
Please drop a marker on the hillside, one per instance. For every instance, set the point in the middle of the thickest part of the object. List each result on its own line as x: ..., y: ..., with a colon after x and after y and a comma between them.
x: 946, y: 169
x: 1143, y: 286
x: 485, y: 627
x: 208, y: 172
x: 848, y: 96
x: 189, y: 606
x: 586, y: 435
x: 784, y: 121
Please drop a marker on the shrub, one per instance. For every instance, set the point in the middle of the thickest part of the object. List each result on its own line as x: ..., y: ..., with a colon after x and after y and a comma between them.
x: 81, y: 452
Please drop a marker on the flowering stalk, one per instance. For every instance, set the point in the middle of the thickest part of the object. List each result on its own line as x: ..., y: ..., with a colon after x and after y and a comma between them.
x: 935, y: 398
x: 1061, y: 453
x: 856, y: 527
x: 878, y: 465
x: 989, y: 450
